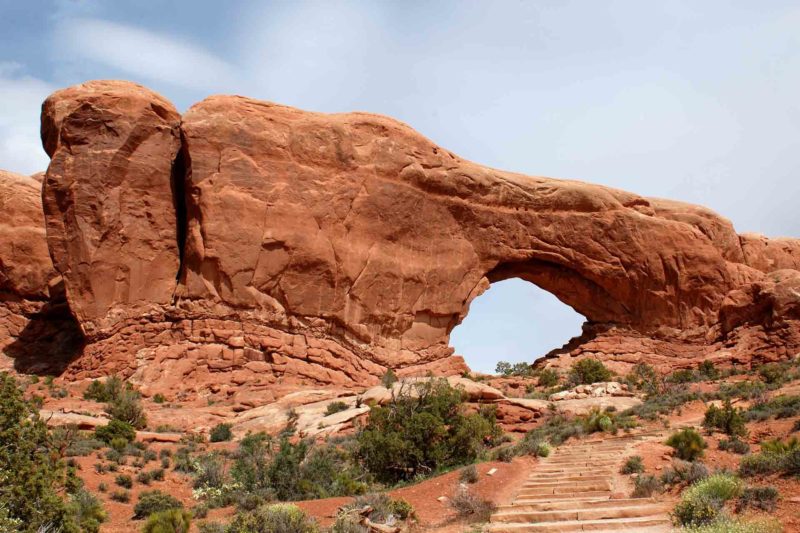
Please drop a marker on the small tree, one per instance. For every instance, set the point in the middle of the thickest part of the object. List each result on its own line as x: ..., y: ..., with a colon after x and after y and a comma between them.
x: 389, y: 378
x: 727, y: 419
x: 588, y: 371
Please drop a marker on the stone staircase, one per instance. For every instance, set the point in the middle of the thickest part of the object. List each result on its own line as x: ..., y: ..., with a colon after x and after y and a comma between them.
x: 578, y: 488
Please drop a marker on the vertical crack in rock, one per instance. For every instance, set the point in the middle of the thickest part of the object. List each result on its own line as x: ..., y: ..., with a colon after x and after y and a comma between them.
x: 180, y: 175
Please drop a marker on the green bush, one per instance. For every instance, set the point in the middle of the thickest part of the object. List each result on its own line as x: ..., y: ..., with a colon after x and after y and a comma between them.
x: 597, y: 420
x: 169, y: 521
x: 761, y: 498
x: 587, y: 371
x: 115, y: 429
x: 707, y: 370
x: 670, y: 398
x: 422, y: 431
x: 734, y: 445
x: 645, y: 378
x: 780, y: 407
x: 124, y: 481
x: 32, y: 474
x: 154, y: 501
x: 760, y: 464
x: 221, y: 433
x: 275, y: 518
x: 159, y: 398
x: 504, y: 368
x: 104, y: 391
x: 548, y: 378
x: 121, y: 496
x: 556, y: 430
x: 684, y: 375
x: 633, y: 465
x: 87, y: 511
x: 335, y: 407
x: 127, y: 406
x: 687, y: 443
x: 727, y: 419
x: 779, y: 446
x: 702, y: 502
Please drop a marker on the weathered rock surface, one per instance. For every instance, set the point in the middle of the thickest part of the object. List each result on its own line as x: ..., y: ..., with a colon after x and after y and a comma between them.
x: 323, y: 249
x: 108, y: 199
x: 35, y: 325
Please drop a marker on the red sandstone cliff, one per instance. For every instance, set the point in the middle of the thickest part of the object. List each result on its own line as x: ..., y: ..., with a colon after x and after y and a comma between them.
x: 249, y: 242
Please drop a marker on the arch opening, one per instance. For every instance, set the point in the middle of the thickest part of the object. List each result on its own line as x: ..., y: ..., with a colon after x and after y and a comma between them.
x: 514, y: 321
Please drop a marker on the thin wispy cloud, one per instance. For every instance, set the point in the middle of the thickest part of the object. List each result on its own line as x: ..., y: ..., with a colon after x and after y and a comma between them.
x: 144, y: 54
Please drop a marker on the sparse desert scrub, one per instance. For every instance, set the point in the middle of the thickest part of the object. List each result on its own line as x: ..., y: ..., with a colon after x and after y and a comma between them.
x: 687, y: 443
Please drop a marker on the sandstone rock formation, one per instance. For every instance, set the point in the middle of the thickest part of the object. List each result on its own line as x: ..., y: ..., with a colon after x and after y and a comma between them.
x: 108, y: 200
x: 250, y: 244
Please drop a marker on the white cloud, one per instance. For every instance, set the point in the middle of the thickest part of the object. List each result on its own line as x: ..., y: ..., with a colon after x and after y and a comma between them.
x: 22, y: 96
x: 143, y: 53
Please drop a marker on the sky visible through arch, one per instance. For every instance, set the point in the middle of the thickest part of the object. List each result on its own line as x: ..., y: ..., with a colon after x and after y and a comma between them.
x: 514, y: 321
x: 695, y: 101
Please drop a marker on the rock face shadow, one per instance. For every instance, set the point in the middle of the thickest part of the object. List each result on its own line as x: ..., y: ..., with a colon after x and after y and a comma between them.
x: 50, y: 341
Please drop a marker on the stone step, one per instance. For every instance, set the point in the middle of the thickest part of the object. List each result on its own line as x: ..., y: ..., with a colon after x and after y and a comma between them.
x: 581, y: 463
x: 609, y: 511
x: 552, y: 495
x: 638, y: 524
x: 585, y: 503
x: 568, y: 477
x: 590, y: 484
x: 548, y: 469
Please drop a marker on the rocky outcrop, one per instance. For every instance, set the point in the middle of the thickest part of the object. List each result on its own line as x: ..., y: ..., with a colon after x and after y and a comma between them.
x: 250, y: 244
x: 36, y: 328
x: 109, y: 202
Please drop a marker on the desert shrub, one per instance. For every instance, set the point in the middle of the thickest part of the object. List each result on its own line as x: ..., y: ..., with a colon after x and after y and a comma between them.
x: 707, y: 370
x: 169, y: 521
x: 211, y: 527
x: 702, y: 502
x: 127, y: 406
x: 605, y: 421
x: 667, y: 400
x: 504, y: 454
x: 730, y: 525
x: 772, y: 373
x: 780, y: 407
x: 556, y: 430
x: 762, y: 498
x: 748, y: 390
x: 684, y: 375
x: 32, y: 474
x: 548, y: 377
x: 389, y: 378
x: 124, y: 481
x: 159, y: 398
x: 687, y: 443
x: 645, y: 378
x: 115, y: 429
x: 471, y: 506
x: 87, y: 511
x: 221, y: 433
x: 275, y: 518
x: 121, y: 496
x: 531, y: 446
x: 335, y: 407
x: 726, y: 419
x: 505, y: 368
x: 104, y: 391
x: 779, y: 446
x: 791, y: 463
x: 469, y: 474
x: 734, y: 445
x: 684, y: 472
x: 633, y: 465
x: 420, y: 433
x: 760, y: 464
x: 154, y: 501
x: 587, y: 371
x: 102, y: 487
x: 645, y: 485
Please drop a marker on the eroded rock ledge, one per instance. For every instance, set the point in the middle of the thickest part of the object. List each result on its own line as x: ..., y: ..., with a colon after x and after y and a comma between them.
x: 252, y: 243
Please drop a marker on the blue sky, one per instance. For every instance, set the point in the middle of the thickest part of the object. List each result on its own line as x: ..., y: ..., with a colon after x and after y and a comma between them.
x: 696, y: 101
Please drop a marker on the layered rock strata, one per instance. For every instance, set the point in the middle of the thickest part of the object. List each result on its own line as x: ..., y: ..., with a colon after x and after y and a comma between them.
x: 252, y: 243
